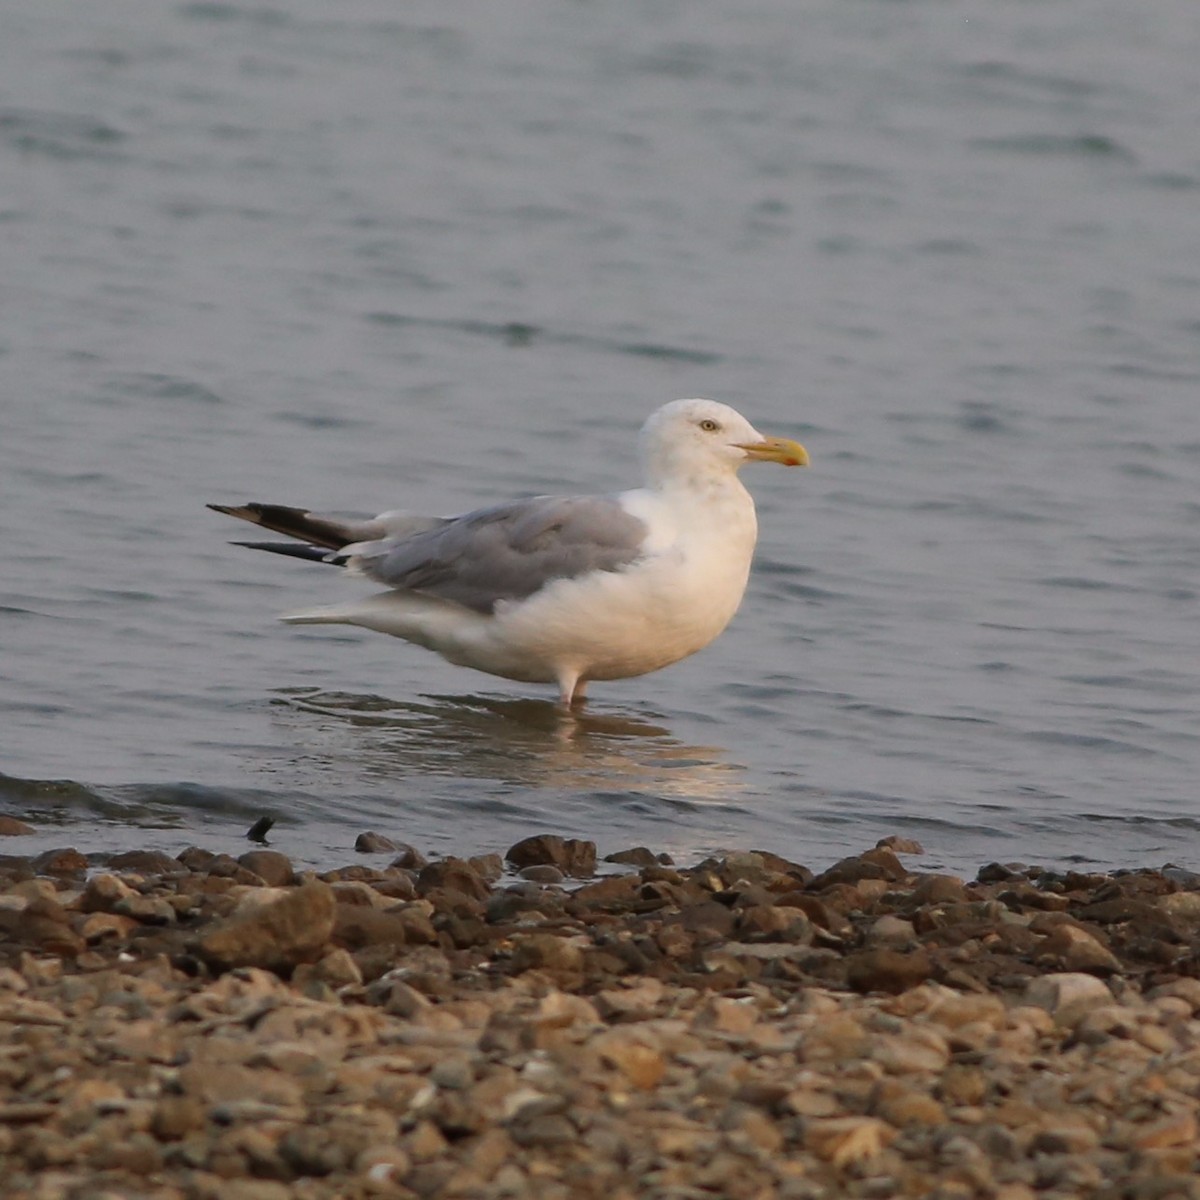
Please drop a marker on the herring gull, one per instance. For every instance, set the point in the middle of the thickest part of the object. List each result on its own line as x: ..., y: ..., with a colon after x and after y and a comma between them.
x: 561, y: 589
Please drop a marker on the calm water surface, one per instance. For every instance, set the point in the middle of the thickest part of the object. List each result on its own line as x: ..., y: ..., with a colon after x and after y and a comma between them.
x: 367, y: 256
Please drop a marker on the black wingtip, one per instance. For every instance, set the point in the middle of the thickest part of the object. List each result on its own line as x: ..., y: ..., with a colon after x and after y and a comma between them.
x: 297, y: 523
x: 319, y: 554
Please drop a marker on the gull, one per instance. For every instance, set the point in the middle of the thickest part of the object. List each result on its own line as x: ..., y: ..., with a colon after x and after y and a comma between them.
x: 561, y: 589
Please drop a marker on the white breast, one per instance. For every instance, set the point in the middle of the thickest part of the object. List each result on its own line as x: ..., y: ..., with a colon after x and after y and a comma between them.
x: 671, y: 603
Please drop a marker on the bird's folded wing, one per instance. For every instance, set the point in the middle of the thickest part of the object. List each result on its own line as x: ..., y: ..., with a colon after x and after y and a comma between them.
x: 507, y: 552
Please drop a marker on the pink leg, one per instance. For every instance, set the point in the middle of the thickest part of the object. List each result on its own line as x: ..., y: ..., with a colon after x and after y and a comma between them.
x: 570, y: 689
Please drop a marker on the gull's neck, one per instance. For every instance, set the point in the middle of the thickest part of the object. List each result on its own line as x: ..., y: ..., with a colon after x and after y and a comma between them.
x: 698, y: 484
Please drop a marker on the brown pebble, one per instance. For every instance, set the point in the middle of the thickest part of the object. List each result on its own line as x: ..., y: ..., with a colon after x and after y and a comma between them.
x: 887, y: 970
x: 409, y: 858
x: 543, y: 951
x: 273, y: 868
x: 1069, y: 948
x: 195, y: 858
x: 69, y: 863
x: 175, y: 1117
x: 357, y: 926
x: 144, y: 862
x: 572, y: 856
x: 1178, y: 1129
x: 453, y: 874
x: 636, y: 856
x: 277, y: 935
x: 11, y: 827
x: 616, y: 891
x: 102, y: 892
x: 900, y: 845
x: 817, y: 911
x: 541, y: 873
x: 937, y: 889
x: 374, y: 843
x: 488, y: 866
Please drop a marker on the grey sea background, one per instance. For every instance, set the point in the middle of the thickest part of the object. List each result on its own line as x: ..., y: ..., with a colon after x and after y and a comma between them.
x: 370, y: 255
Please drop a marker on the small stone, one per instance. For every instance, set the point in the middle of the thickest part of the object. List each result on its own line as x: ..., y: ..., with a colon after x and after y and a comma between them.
x: 956, y: 1010
x: 195, y: 858
x: 900, y: 845
x: 917, y: 1050
x: 559, y: 1010
x: 962, y: 1085
x: 225, y: 866
x: 454, y: 1074
x: 399, y: 999
x: 818, y: 912
x: 891, y: 930
x: 550, y: 1130
x: 426, y: 1142
x: 105, y: 926
x: 1000, y: 872
x: 273, y: 868
x: 144, y: 862
x: 938, y: 889
x: 1184, y: 905
x: 639, y: 1000
x: 357, y: 926
x: 147, y: 910
x: 408, y: 858
x: 337, y: 969
x: 1064, y: 1134
x: 277, y: 936
x: 546, y: 952
x: 357, y: 894
x: 489, y: 867
x: 453, y: 874
x: 615, y: 891
x: 881, y: 864
x: 11, y: 827
x: 1067, y: 995
x: 1073, y: 949
x: 769, y: 922
x: 1178, y: 1129
x: 752, y: 1126
x: 103, y: 891
x: 1186, y: 989
x: 68, y: 863
x: 887, y: 970
x: 848, y: 1141
x: 542, y: 873
x: 383, y: 1164
x: 572, y: 856
x: 727, y: 1015
x: 174, y: 1117
x: 640, y: 1063
x: 636, y: 856
x: 374, y: 843
x: 912, y: 1108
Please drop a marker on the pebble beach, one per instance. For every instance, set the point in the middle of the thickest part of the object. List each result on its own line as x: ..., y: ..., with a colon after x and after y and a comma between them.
x: 542, y: 1025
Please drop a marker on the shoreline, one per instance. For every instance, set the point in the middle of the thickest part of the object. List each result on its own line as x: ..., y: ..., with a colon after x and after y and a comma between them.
x: 200, y: 1026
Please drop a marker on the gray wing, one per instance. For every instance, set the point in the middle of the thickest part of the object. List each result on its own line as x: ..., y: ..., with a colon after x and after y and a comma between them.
x: 506, y: 552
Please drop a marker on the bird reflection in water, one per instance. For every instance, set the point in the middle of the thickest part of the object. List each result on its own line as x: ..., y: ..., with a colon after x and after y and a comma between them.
x: 514, y: 741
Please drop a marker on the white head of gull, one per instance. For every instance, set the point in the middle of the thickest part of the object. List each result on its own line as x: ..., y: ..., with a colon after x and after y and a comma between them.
x: 561, y: 589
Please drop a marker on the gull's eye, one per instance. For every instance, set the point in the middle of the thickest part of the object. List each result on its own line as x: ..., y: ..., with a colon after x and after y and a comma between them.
x: 709, y: 425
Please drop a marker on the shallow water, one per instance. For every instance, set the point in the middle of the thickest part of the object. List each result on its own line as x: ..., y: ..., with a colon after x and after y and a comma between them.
x: 365, y: 257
